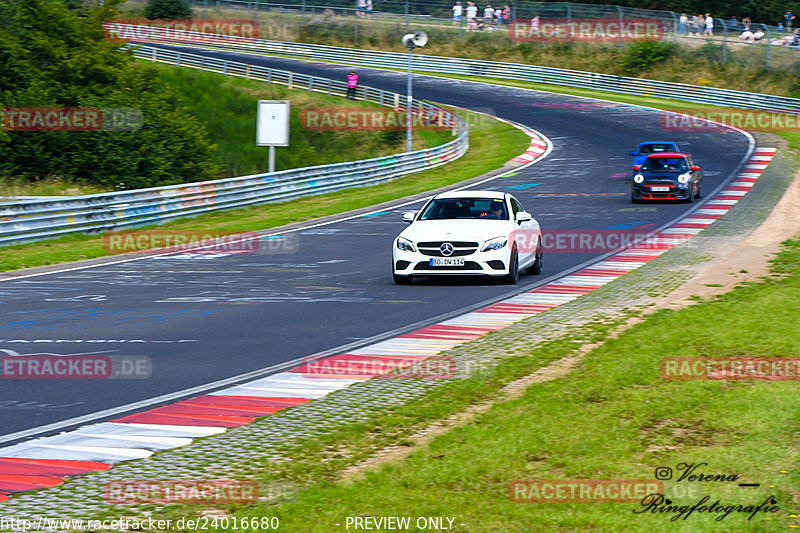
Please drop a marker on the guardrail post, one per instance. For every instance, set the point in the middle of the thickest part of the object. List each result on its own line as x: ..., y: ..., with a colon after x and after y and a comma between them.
x: 155, y: 54
x: 289, y: 81
x: 177, y: 58
x: 269, y: 76
x: 247, y: 72
x: 380, y: 97
x: 330, y: 85
x: 396, y: 101
x: 311, y: 83
x: 225, y: 67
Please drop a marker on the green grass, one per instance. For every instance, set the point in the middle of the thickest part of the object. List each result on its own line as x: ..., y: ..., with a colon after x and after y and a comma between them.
x: 227, y: 108
x: 614, y: 417
x: 492, y: 144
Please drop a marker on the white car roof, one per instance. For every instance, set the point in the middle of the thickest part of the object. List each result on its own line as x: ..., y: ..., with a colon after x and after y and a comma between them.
x: 471, y: 194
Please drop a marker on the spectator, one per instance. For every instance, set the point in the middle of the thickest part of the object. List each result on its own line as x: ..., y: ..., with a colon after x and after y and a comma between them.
x: 796, y: 39
x: 506, y: 14
x: 746, y: 23
x: 780, y: 27
x: 733, y: 23
x: 352, y: 83
x: 488, y: 16
x: 472, y: 12
x: 789, y: 19
x: 747, y: 36
x: 498, y: 17
x: 697, y: 25
x: 361, y: 8
x: 682, y: 24
x: 709, y: 26
x: 369, y: 9
x: 457, y: 10
x: 535, y: 25
x: 758, y: 35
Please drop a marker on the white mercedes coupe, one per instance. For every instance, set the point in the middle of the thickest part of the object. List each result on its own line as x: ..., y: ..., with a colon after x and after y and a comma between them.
x: 468, y: 233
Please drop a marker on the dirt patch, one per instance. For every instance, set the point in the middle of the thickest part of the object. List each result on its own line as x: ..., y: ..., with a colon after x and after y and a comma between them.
x: 750, y: 259
x: 747, y: 262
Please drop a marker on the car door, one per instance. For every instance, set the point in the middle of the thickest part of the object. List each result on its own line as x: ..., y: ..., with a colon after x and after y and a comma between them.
x: 526, y: 234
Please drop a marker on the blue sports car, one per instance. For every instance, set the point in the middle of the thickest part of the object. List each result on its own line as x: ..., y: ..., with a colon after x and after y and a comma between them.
x: 652, y: 147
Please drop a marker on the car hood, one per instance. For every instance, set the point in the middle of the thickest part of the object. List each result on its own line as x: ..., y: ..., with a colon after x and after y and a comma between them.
x: 457, y: 230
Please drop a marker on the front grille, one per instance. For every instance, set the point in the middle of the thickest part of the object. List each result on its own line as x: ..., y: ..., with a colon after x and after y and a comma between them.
x: 468, y: 265
x: 457, y: 244
x: 461, y: 248
x: 660, y: 184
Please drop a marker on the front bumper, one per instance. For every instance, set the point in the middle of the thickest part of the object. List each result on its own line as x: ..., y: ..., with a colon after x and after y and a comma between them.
x: 491, y: 263
x: 643, y: 191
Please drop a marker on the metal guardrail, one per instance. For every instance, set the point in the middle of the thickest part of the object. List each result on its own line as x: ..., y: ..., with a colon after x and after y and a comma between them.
x: 473, y: 67
x: 25, y: 221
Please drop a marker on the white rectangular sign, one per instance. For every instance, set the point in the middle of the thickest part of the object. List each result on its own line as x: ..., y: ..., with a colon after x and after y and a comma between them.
x: 272, y: 123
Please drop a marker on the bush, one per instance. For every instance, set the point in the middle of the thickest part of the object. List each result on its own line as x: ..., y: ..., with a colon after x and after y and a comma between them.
x: 167, y: 10
x: 640, y: 56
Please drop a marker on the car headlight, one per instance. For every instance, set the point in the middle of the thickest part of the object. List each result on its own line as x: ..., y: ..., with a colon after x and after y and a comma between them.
x: 405, y: 245
x: 494, y: 244
x: 684, y: 178
x: 638, y: 178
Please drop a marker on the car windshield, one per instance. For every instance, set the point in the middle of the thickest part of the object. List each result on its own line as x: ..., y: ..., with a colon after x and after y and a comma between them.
x: 655, y: 148
x: 454, y: 208
x: 665, y: 164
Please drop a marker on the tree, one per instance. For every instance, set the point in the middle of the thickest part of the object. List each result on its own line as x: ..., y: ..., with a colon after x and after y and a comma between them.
x: 167, y: 10
x: 53, y: 57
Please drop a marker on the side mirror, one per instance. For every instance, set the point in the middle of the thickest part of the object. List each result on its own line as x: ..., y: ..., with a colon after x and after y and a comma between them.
x: 636, y: 168
x: 695, y: 168
x: 633, y: 153
x: 522, y: 216
x: 408, y: 217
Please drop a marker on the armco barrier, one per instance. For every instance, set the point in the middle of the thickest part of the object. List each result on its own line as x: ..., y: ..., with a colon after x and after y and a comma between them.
x: 472, y: 67
x: 30, y: 220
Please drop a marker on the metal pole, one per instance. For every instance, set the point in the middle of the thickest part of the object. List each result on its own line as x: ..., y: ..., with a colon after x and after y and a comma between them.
x: 409, y: 100
x: 355, y: 25
x: 205, y: 7
x: 271, y: 159
x: 769, y: 39
x: 407, y: 19
x: 675, y: 27
x: 724, y: 41
x: 303, y: 14
x: 621, y: 19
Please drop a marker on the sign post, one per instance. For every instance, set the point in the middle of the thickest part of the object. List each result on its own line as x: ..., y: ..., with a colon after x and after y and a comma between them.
x: 272, y: 126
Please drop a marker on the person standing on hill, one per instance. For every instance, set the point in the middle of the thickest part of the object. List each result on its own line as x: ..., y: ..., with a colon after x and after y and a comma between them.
x: 709, y: 26
x: 789, y: 19
x: 457, y: 10
x: 352, y: 83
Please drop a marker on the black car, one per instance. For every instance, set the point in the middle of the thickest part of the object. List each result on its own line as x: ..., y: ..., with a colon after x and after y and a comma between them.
x: 666, y: 176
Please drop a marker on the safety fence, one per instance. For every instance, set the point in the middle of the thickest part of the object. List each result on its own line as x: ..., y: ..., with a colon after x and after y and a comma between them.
x: 25, y: 221
x: 470, y: 67
x: 767, y: 45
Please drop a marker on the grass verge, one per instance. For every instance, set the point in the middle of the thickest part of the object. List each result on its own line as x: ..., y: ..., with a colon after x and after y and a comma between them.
x: 492, y: 144
x: 614, y: 417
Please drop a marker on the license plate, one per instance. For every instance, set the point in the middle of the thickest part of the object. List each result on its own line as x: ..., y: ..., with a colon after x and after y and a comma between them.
x: 659, y: 189
x: 446, y: 261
